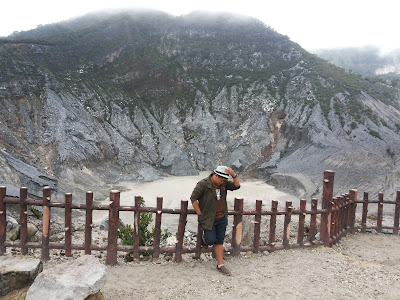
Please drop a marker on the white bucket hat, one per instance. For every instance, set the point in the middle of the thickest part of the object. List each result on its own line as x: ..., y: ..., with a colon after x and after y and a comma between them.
x: 220, y: 171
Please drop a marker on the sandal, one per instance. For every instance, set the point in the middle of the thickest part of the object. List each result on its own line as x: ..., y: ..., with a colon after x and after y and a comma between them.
x: 224, y: 270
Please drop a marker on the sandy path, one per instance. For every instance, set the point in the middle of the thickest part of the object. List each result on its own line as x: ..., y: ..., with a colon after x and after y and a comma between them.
x: 361, y: 266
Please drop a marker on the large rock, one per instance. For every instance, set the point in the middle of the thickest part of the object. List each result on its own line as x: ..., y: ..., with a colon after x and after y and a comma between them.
x: 72, y: 280
x: 102, y: 224
x: 17, y: 272
x: 12, y: 228
x: 31, y: 232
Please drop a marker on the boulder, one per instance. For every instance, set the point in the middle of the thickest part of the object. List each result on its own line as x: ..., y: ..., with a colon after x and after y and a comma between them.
x: 17, y: 272
x: 103, y: 223
x: 31, y: 232
x: 16, y: 294
x: 12, y: 228
x: 76, y: 280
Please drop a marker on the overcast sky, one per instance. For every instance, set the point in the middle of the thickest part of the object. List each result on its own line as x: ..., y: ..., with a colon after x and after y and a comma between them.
x: 313, y: 24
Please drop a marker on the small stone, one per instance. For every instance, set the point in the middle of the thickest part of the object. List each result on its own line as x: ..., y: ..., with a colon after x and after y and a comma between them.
x: 249, y: 254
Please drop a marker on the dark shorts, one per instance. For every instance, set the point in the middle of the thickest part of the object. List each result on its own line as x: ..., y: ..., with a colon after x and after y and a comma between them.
x: 217, y: 234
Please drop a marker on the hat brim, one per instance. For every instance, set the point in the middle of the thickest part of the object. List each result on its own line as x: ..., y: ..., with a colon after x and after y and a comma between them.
x: 222, y: 174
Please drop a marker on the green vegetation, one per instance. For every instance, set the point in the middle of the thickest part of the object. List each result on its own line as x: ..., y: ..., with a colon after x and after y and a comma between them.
x: 146, y: 237
x: 155, y: 60
x: 188, y: 134
x: 36, y: 213
x: 375, y: 134
x: 329, y: 80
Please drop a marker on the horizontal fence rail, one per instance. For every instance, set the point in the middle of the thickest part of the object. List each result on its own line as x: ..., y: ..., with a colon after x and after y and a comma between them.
x: 333, y: 220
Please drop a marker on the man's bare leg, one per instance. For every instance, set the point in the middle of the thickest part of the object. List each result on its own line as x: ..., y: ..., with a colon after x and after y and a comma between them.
x: 219, y: 253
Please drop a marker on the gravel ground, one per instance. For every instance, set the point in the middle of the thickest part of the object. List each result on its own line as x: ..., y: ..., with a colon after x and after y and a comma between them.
x: 361, y: 266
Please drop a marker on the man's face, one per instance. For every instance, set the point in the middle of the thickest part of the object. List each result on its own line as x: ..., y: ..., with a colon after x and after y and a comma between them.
x: 219, y: 180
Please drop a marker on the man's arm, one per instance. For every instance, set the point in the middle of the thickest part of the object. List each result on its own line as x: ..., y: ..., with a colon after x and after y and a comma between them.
x: 234, y: 176
x: 197, y: 194
x: 196, y: 207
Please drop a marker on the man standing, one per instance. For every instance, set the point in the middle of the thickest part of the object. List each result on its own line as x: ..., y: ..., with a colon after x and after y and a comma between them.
x: 209, y: 201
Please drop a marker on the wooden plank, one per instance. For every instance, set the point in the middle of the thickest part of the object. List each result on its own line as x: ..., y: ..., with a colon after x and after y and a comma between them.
x: 3, y: 219
x: 346, y: 214
x: 380, y: 212
x: 136, y: 227
x: 342, y: 213
x: 46, y: 223
x: 340, y: 217
x: 113, y: 225
x: 353, y: 208
x: 237, y: 227
x: 327, y: 192
x: 181, y: 231
x: 286, y: 226
x: 313, y: 220
x: 396, y: 214
x: 272, y: 225
x: 68, y: 224
x: 199, y: 236
x: 23, y: 219
x: 302, y: 217
x: 364, y: 213
x: 88, y: 222
x: 335, y: 219
x: 257, y: 225
x: 157, y: 228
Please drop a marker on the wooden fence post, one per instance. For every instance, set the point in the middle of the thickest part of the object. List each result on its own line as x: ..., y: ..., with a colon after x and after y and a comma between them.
x: 198, y: 241
x: 396, y: 214
x: 157, y: 228
x: 23, y: 218
x: 3, y: 219
x: 343, y: 216
x: 327, y: 193
x: 313, y: 221
x: 181, y: 230
x: 237, y: 227
x: 136, y: 227
x: 346, y: 214
x: 88, y: 222
x: 364, y: 213
x: 339, y: 217
x: 68, y: 224
x: 352, y: 211
x: 286, y: 226
x: 334, y: 220
x: 46, y: 223
x: 257, y: 225
x: 272, y: 225
x: 113, y: 225
x: 302, y: 217
x: 380, y: 213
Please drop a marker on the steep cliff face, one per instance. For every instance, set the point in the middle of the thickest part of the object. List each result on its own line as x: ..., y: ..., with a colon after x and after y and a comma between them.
x: 89, y: 103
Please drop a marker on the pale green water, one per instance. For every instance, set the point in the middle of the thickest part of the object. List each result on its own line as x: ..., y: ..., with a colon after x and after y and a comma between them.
x: 173, y: 189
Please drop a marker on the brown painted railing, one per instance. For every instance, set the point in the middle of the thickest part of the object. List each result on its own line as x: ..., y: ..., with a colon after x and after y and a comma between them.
x: 337, y: 215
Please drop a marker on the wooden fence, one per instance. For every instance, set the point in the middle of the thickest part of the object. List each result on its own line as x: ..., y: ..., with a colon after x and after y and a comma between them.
x: 335, y: 218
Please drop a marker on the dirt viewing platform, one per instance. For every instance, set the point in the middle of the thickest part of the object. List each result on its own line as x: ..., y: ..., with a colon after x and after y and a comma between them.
x: 361, y: 266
